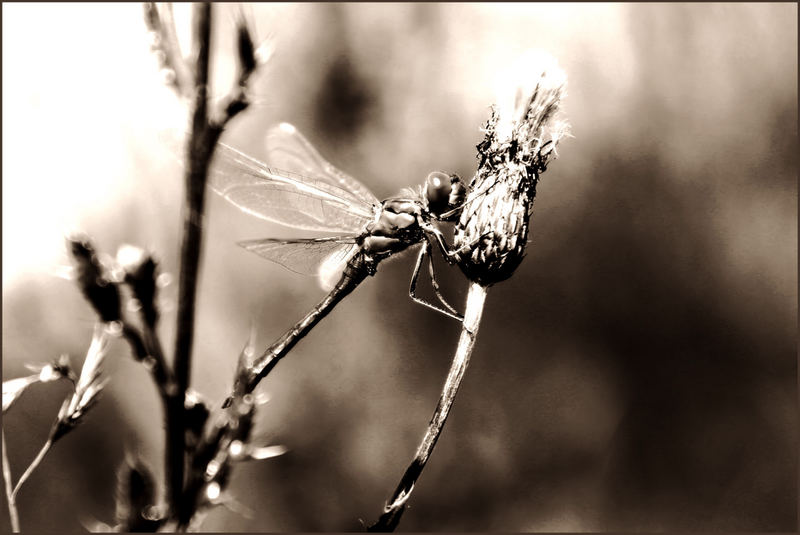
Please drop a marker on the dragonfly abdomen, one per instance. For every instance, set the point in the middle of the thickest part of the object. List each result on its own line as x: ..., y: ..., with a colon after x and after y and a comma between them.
x: 358, y: 268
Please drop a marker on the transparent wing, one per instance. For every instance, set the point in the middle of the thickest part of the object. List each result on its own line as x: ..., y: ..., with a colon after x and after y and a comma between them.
x: 332, y: 266
x: 295, y: 200
x: 289, y: 149
x: 304, y: 256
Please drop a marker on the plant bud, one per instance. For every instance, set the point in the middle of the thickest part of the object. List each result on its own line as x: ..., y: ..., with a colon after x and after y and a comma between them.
x: 135, y: 498
x: 246, y: 48
x: 151, y: 17
x: 141, y: 275
x: 493, y: 227
x: 92, y: 279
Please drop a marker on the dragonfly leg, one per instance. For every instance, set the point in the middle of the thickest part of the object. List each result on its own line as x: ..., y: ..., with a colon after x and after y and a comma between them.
x: 412, y: 290
x: 452, y: 256
x: 447, y: 251
x: 435, y: 284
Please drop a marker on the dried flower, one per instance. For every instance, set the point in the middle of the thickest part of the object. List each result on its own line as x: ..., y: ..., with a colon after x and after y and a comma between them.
x: 58, y: 368
x: 87, y: 388
x: 521, y: 136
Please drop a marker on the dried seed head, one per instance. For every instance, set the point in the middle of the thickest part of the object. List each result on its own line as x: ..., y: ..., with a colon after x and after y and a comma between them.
x: 93, y: 279
x: 87, y: 388
x: 521, y: 136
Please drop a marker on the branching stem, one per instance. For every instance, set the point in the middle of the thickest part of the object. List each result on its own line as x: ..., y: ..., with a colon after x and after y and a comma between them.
x: 203, y: 139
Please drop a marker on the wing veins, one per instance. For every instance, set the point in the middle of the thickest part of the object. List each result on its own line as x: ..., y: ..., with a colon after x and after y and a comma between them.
x: 254, y: 168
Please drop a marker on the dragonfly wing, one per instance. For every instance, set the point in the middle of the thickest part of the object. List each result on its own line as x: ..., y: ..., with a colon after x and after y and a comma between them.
x: 332, y: 266
x: 304, y: 202
x: 287, y: 148
x: 304, y: 256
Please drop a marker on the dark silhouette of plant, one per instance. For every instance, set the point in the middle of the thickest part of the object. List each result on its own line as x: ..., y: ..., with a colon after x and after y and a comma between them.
x: 207, y: 444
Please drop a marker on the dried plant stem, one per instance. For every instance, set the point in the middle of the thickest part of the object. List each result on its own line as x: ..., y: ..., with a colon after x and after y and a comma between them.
x: 28, y: 471
x: 12, y: 502
x: 472, y: 318
x: 195, y: 180
x: 203, y: 139
x: 147, y: 346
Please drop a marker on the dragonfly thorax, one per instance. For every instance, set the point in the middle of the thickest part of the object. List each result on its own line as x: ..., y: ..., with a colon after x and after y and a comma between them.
x: 396, y: 227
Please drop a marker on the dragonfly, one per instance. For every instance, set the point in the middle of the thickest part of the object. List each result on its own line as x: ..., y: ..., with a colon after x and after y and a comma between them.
x: 316, y: 196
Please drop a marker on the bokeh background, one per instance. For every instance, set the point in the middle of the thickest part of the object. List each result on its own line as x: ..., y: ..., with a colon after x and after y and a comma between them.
x: 638, y: 372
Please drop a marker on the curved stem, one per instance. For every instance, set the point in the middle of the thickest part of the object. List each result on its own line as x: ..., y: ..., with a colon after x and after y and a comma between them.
x: 12, y: 502
x: 472, y: 318
x: 32, y: 467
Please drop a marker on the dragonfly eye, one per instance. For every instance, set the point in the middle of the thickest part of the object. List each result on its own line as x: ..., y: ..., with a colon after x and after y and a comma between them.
x: 444, y: 192
x: 437, y: 191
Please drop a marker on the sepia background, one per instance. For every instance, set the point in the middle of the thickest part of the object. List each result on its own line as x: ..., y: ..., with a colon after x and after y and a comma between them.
x: 637, y: 373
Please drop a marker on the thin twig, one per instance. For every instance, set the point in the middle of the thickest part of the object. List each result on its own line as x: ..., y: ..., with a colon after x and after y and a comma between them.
x: 12, y: 502
x: 469, y: 330
x: 147, y: 346
x: 32, y: 467
x: 160, y: 371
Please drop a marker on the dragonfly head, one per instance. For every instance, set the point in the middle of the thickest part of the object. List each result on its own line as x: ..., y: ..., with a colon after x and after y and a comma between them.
x: 444, y: 195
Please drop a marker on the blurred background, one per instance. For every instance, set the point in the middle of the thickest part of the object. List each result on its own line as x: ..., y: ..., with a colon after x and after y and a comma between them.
x: 637, y: 373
